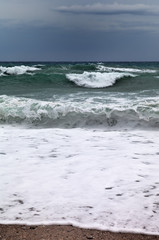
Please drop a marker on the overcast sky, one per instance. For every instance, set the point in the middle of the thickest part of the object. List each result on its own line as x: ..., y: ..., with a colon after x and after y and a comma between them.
x: 79, y: 30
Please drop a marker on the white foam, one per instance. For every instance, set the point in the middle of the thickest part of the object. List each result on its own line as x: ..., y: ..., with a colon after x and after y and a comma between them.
x: 96, y: 79
x: 81, y: 111
x: 17, y: 70
x: 39, y: 65
x: 132, y: 70
x: 95, y: 179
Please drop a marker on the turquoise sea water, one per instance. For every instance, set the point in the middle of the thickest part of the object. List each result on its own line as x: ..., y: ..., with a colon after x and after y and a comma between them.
x: 80, y: 94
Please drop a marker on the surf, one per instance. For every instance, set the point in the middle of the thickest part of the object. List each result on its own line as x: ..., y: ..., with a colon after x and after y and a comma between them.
x: 93, y: 112
x: 97, y: 79
x: 17, y: 70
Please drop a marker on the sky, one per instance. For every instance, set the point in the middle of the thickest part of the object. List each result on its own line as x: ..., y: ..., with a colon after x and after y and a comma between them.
x: 79, y: 30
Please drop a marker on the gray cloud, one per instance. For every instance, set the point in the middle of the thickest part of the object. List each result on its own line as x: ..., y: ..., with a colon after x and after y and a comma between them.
x: 37, y: 12
x: 110, y: 9
x: 62, y: 31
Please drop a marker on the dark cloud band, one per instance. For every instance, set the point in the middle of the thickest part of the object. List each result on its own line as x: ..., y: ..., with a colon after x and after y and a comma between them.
x: 114, y: 9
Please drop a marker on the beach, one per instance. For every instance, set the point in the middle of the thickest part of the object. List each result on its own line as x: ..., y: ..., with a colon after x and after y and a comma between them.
x: 79, y: 147
x: 79, y: 120
x: 56, y: 232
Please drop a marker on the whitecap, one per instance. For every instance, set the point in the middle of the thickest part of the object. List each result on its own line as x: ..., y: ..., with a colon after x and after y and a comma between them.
x: 97, y: 79
x: 17, y: 70
x: 90, y: 112
x: 114, y: 69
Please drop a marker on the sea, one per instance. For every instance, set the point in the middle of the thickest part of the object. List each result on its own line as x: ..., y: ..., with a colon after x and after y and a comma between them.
x: 79, y: 144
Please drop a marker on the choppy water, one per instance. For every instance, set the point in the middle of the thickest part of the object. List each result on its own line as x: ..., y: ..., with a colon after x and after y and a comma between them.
x: 80, y: 94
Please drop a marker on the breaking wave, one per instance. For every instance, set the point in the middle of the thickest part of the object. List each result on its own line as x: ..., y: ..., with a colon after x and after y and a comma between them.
x: 70, y: 114
x: 17, y: 70
x: 120, y: 69
x: 97, y: 79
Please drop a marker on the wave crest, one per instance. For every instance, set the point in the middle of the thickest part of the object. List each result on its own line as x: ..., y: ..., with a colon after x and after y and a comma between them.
x: 120, y: 69
x: 97, y: 79
x: 17, y: 70
x: 69, y: 114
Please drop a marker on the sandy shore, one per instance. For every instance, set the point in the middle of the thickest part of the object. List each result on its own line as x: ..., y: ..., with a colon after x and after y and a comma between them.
x: 22, y: 232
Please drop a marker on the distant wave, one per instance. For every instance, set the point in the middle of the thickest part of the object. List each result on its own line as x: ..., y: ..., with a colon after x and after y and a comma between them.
x: 120, y: 69
x: 70, y: 114
x: 97, y: 79
x: 17, y: 70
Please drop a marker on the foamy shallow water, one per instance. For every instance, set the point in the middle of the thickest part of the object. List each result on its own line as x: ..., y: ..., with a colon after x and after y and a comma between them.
x: 89, y: 178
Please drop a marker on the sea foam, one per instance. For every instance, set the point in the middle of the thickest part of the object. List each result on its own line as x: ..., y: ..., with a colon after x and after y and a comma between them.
x: 96, y: 179
x: 92, y: 112
x: 17, y: 70
x: 120, y: 69
x: 97, y: 79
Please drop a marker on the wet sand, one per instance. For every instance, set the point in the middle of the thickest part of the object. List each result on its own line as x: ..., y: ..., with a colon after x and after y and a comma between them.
x: 55, y: 232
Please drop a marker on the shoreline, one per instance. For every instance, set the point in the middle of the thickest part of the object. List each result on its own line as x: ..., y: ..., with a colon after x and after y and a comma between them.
x: 62, y: 232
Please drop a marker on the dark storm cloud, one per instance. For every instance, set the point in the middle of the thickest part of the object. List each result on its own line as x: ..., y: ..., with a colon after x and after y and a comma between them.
x: 110, y: 9
x: 69, y: 30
